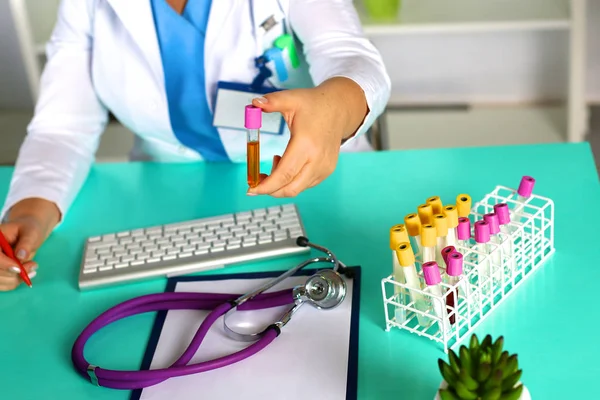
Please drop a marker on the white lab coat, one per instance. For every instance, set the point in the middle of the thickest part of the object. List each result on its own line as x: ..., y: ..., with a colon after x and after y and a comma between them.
x: 104, y: 55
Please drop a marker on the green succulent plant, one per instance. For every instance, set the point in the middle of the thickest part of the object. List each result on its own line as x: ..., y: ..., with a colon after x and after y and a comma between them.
x: 482, y: 371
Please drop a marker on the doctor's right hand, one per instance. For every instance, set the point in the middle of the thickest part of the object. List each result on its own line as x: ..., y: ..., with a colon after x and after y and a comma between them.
x: 29, y: 223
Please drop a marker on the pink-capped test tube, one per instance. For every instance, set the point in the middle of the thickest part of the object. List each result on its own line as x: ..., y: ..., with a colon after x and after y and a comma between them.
x: 523, y: 194
x: 503, y: 213
x: 463, y: 233
x: 482, y: 239
x: 454, y: 270
x: 253, y: 123
x: 496, y: 251
x: 492, y: 220
x: 433, y: 278
x: 446, y: 251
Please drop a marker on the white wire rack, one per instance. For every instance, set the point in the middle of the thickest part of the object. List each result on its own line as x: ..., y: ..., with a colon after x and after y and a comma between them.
x: 489, y: 274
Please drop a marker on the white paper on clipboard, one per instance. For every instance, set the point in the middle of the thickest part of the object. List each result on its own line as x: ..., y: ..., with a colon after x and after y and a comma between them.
x: 313, y: 352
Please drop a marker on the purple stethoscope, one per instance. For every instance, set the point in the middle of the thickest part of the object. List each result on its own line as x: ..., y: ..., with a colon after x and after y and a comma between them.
x: 326, y: 289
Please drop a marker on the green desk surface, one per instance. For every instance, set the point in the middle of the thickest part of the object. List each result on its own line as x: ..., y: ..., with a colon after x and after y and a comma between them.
x: 551, y: 320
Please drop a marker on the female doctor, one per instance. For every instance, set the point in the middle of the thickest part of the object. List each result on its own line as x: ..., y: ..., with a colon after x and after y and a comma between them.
x: 159, y: 66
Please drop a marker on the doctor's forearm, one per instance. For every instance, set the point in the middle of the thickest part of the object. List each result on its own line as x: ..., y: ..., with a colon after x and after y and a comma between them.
x: 347, y: 97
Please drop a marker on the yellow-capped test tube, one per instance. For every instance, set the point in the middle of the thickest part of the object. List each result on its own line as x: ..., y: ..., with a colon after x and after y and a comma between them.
x: 436, y: 204
x: 441, y: 229
x: 398, y: 234
x: 451, y: 214
x: 406, y: 259
x: 425, y: 212
x: 463, y: 205
x: 413, y: 225
x: 428, y: 242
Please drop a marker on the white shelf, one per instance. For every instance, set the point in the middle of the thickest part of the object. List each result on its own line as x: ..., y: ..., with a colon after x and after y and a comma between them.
x: 42, y: 17
x: 439, y: 16
x: 489, y: 126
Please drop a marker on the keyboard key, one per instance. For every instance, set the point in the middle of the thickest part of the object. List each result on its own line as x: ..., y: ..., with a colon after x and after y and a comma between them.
x: 189, y: 249
x: 234, y: 240
x: 198, y: 240
x: 219, y: 243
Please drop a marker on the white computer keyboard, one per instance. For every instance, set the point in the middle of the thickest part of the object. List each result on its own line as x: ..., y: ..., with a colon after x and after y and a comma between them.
x: 191, y: 246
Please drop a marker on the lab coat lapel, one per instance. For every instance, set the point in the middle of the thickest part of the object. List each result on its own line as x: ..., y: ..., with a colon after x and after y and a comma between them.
x: 138, y: 19
x: 217, y: 42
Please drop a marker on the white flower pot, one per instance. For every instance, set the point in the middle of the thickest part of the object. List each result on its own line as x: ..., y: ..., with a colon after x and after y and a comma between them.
x: 524, y: 395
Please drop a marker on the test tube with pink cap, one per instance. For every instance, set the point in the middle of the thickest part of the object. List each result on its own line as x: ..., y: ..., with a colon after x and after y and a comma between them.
x: 523, y: 194
x: 463, y: 233
x: 454, y: 271
x: 503, y: 213
x: 433, y: 278
x: 482, y: 239
x: 492, y: 220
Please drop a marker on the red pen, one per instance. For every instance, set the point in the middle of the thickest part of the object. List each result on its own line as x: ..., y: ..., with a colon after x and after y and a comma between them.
x: 8, y: 250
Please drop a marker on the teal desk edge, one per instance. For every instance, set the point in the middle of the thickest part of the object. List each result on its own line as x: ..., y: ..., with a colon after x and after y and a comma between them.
x: 549, y: 321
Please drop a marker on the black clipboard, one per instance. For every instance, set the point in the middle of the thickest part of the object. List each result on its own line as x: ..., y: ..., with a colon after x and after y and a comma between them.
x: 352, y: 376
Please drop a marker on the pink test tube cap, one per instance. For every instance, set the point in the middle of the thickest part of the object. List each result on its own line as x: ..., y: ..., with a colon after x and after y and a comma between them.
x: 503, y: 213
x: 492, y: 220
x: 446, y: 251
x: 526, y: 186
x: 431, y: 272
x: 482, y: 232
x: 455, y: 264
x: 464, y: 228
x: 253, y: 117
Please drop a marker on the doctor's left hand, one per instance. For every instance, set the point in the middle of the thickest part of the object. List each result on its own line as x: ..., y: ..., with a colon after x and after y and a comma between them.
x: 320, y: 119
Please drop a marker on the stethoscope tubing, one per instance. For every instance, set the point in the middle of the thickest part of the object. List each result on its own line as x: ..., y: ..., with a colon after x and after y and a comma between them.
x: 218, y: 303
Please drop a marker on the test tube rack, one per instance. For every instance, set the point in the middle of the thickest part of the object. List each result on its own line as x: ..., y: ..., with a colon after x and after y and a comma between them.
x: 531, y: 232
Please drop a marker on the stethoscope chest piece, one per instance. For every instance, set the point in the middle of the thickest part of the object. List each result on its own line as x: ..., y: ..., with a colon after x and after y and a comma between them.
x: 325, y: 289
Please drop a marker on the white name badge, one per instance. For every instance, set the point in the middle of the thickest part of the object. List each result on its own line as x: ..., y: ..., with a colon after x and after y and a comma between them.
x: 230, y: 102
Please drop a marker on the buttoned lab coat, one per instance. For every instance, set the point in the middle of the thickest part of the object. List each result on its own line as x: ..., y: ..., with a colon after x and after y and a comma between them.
x: 104, y: 55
